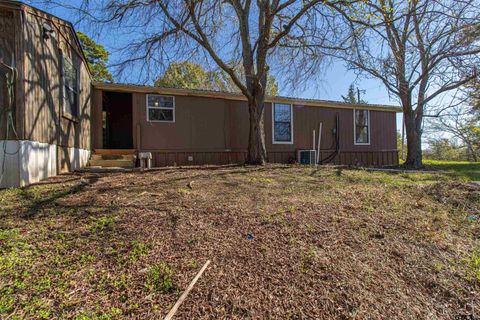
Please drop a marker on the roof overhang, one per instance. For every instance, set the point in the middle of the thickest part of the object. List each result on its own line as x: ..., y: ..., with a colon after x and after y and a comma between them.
x: 239, y: 97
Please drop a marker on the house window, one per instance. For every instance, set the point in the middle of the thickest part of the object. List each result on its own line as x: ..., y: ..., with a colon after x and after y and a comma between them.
x: 70, y: 88
x: 282, y: 123
x: 160, y: 108
x: 361, y: 126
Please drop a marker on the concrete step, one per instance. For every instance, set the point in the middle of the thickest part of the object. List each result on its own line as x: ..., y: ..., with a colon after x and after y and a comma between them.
x: 130, y: 157
x: 115, y: 151
x: 111, y: 163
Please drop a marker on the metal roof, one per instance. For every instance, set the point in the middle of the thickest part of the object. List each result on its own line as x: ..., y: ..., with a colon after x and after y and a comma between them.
x: 122, y: 87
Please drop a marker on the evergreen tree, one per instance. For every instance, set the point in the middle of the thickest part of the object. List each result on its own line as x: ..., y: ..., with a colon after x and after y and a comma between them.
x: 97, y: 58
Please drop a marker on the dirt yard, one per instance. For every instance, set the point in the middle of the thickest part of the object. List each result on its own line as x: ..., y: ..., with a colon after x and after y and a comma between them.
x: 286, y: 242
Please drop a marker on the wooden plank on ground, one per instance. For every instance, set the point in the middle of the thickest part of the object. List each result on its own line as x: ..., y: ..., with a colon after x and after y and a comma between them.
x: 186, y: 292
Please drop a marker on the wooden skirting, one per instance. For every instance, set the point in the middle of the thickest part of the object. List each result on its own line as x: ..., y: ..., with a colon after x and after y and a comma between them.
x: 162, y: 158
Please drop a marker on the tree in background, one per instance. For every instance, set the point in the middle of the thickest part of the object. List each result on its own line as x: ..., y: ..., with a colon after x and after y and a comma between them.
x: 445, y: 149
x: 400, y: 141
x: 460, y: 123
x: 460, y: 119
x: 272, y: 88
x: 353, y: 95
x: 97, y: 58
x: 473, y: 89
x: 189, y: 75
x: 419, y: 49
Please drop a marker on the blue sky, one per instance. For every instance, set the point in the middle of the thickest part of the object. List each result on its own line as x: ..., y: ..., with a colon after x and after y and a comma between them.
x: 331, y: 85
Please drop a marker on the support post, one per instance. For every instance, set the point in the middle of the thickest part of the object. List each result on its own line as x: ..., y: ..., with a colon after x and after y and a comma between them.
x: 319, y: 141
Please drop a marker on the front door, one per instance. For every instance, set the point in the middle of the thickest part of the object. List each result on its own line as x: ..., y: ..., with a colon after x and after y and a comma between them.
x: 117, y: 120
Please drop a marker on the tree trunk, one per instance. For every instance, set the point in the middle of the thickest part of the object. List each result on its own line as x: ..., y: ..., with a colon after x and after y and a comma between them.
x: 474, y: 157
x: 414, y: 140
x: 257, y: 152
x: 471, y: 152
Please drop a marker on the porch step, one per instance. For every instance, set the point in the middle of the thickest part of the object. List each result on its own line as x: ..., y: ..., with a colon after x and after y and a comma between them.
x: 115, y: 151
x: 112, y: 163
x: 113, y: 158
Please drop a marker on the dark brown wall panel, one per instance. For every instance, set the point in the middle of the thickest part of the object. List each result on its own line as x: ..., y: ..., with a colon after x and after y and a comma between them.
x: 199, y: 124
x: 207, y: 123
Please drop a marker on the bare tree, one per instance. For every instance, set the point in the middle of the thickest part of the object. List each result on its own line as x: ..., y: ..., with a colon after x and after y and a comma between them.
x: 459, y: 122
x: 420, y: 50
x: 227, y: 32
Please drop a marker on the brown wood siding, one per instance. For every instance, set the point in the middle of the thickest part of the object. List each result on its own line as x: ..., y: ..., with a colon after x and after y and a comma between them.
x: 199, y: 125
x: 307, y: 118
x: 7, y: 56
x: 97, y: 121
x: 215, y: 131
x: 182, y: 158
x: 43, y: 117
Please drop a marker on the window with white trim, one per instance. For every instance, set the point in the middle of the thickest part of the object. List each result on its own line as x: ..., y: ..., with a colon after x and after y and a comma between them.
x: 70, y: 88
x: 361, y: 126
x: 282, y: 123
x: 160, y: 108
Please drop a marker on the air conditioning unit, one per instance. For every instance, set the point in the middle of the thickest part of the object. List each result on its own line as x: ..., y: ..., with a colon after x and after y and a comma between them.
x: 307, y: 157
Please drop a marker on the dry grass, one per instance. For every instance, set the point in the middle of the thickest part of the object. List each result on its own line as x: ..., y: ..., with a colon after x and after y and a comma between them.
x: 285, y: 242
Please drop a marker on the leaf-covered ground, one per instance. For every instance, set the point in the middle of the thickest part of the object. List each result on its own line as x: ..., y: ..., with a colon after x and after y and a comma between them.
x: 286, y: 242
